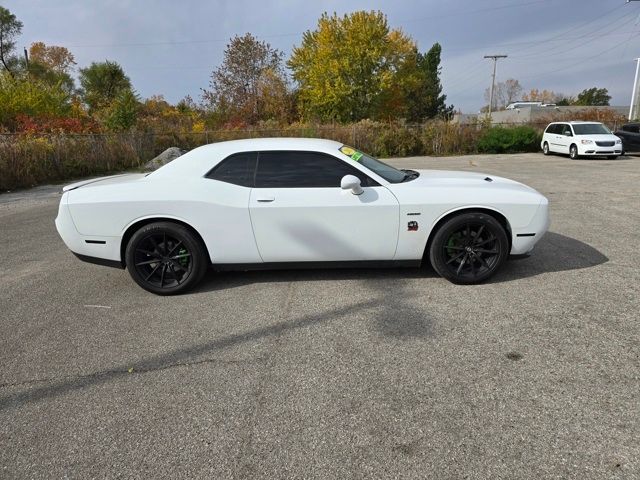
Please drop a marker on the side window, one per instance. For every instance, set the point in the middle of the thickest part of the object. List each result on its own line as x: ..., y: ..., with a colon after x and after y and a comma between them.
x: 304, y: 170
x: 551, y: 129
x: 237, y: 169
x: 566, y: 130
x: 631, y: 128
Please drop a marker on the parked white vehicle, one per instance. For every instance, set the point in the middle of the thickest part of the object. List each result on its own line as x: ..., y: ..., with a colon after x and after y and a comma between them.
x: 515, y: 105
x: 265, y: 203
x: 580, y: 139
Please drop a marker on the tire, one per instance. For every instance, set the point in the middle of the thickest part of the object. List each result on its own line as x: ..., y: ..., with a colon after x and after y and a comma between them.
x: 573, y: 152
x: 469, y: 248
x: 166, y: 258
x: 545, y: 149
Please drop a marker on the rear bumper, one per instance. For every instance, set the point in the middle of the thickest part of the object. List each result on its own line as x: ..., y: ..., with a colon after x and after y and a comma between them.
x: 99, y: 261
x: 524, y: 239
x: 103, y: 250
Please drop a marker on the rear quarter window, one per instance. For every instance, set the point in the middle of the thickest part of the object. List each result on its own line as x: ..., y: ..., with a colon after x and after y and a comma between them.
x: 237, y: 169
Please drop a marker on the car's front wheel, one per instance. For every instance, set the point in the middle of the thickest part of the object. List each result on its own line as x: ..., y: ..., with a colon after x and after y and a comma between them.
x: 545, y: 148
x: 166, y: 258
x: 469, y: 248
x: 573, y: 152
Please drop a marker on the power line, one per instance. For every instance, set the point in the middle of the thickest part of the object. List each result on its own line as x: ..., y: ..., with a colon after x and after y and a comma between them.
x: 538, y: 42
x: 578, y: 27
x: 293, y: 34
x: 577, y: 45
x: 579, y: 62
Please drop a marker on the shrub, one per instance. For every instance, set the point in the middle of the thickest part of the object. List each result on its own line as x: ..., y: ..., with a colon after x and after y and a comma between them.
x: 509, y: 140
x: 397, y: 140
x: 31, y: 98
x: 445, y: 138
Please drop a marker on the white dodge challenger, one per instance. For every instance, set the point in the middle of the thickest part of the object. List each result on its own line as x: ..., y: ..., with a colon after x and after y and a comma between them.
x: 291, y: 202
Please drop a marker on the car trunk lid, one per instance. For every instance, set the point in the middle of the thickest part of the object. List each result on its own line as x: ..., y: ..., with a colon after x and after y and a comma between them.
x: 122, y: 178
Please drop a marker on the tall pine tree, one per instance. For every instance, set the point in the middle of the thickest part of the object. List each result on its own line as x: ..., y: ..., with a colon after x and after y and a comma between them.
x: 426, y: 99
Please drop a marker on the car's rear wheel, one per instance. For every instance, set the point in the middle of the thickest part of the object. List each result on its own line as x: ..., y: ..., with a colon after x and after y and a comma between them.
x: 469, y: 248
x: 545, y: 148
x: 573, y: 152
x: 166, y: 258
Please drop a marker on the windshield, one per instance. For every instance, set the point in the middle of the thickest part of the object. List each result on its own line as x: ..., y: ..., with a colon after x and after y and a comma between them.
x: 389, y: 173
x: 590, y: 129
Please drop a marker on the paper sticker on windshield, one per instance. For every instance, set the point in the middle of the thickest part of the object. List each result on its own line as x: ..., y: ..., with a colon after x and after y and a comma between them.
x: 348, y: 151
x: 351, y: 153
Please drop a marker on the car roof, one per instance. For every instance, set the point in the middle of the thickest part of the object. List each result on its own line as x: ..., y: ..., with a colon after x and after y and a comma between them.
x: 200, y: 160
x: 275, y: 143
x: 575, y: 122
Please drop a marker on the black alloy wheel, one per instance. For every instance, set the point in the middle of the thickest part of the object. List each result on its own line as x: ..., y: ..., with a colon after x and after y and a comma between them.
x: 165, y: 258
x: 469, y: 248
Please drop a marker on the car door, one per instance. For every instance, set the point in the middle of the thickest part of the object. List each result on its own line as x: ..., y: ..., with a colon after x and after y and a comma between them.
x: 549, y: 136
x: 564, y: 138
x: 552, y: 136
x: 299, y: 212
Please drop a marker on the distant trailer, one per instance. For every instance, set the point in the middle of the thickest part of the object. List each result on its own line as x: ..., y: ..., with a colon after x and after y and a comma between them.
x: 514, y: 105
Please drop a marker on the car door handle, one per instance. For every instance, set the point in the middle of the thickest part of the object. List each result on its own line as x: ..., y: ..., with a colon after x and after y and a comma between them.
x: 265, y: 199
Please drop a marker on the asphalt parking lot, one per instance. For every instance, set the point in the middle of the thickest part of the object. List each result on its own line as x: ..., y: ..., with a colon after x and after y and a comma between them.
x: 339, y: 373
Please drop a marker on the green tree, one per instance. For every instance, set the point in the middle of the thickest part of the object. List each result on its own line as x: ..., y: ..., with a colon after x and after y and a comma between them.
x: 426, y: 100
x: 42, y: 73
x: 593, y: 97
x: 249, y: 81
x: 10, y: 28
x: 564, y: 101
x: 122, y: 112
x: 101, y: 83
x: 348, y: 68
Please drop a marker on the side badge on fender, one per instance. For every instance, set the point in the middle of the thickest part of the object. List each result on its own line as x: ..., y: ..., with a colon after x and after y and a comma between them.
x: 412, y: 226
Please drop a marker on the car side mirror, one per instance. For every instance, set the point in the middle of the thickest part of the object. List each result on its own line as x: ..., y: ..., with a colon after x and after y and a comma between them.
x: 568, y: 134
x: 351, y: 182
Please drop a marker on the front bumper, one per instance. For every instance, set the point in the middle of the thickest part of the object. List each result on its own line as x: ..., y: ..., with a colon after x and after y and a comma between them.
x: 524, y: 239
x: 594, y: 150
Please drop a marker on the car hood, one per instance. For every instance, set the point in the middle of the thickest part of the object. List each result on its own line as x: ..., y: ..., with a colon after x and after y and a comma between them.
x: 456, y: 179
x: 600, y: 137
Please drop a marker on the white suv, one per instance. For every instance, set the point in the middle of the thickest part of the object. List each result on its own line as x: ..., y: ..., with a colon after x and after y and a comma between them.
x: 580, y: 139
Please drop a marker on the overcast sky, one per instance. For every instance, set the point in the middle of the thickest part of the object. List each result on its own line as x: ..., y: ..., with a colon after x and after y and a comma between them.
x: 170, y: 47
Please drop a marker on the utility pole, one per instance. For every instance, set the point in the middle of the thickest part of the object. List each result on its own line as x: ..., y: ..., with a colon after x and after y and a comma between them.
x: 633, y: 109
x: 26, y: 58
x: 493, y: 78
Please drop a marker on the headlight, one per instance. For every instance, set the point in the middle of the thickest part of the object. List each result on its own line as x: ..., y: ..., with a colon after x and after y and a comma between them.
x: 618, y: 142
x: 586, y: 142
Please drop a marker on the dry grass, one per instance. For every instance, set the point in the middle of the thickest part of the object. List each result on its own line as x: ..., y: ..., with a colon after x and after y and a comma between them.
x: 28, y: 160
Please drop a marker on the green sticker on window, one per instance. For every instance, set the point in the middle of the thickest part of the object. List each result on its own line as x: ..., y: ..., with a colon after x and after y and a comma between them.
x: 356, y: 156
